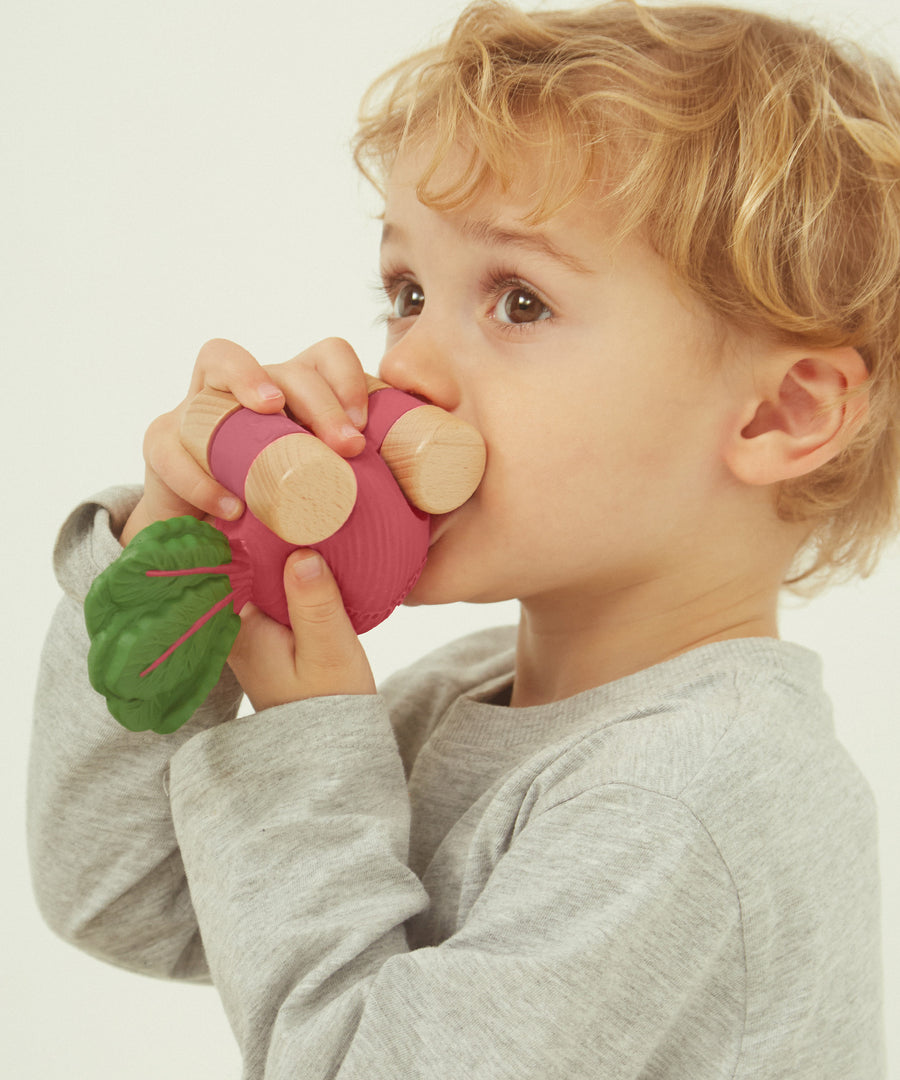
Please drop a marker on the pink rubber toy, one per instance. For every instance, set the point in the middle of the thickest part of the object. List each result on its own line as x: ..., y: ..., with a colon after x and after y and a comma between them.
x: 373, y: 538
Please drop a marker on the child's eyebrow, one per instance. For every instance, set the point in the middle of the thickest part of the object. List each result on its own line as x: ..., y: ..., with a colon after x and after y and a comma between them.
x: 486, y: 232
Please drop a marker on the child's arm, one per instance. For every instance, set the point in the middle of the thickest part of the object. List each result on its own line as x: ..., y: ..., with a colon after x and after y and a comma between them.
x: 106, y: 868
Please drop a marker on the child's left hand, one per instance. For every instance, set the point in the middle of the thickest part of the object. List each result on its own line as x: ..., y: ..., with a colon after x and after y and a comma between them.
x: 320, y: 655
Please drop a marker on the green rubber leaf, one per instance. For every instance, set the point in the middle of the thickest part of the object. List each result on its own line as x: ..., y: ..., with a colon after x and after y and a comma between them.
x: 134, y: 619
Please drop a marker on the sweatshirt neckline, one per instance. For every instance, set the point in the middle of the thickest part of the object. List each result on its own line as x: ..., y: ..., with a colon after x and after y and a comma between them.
x: 476, y: 717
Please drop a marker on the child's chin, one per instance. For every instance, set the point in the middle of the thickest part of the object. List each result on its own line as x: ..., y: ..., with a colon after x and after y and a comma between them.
x: 432, y: 587
x: 420, y: 595
x: 441, y: 582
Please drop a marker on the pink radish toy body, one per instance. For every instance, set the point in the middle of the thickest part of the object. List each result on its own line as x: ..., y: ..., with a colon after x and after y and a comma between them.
x: 379, y: 551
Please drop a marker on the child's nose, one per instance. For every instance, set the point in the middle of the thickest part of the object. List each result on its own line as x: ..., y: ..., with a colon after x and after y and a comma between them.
x: 422, y: 365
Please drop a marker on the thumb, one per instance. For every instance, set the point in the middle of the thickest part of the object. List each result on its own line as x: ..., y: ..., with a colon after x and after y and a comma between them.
x: 328, y: 656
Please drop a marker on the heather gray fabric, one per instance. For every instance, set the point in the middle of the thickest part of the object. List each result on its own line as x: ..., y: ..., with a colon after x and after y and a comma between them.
x: 670, y: 876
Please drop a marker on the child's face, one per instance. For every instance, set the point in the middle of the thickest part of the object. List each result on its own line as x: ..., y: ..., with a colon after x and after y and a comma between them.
x: 591, y: 375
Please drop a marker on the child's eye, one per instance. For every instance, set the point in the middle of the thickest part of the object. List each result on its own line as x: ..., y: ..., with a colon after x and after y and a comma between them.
x: 409, y: 300
x: 519, y: 306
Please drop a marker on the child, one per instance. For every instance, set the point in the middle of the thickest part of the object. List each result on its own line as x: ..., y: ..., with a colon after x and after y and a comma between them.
x: 652, y: 255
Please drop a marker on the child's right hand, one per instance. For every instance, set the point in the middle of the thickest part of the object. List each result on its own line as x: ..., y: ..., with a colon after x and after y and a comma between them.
x: 324, y: 388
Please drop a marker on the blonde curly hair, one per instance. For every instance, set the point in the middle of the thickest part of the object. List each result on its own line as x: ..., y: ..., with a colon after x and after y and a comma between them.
x: 761, y: 160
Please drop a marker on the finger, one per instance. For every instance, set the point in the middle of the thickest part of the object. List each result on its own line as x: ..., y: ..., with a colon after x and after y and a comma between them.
x: 157, y: 503
x: 319, y: 656
x: 328, y: 656
x: 338, y: 363
x: 173, y: 476
x: 314, y: 402
x: 262, y: 660
x: 225, y: 365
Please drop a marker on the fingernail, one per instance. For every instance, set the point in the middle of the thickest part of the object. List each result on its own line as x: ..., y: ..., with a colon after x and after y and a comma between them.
x: 229, y: 506
x: 306, y: 567
x: 268, y: 391
x: 358, y: 416
x: 350, y: 432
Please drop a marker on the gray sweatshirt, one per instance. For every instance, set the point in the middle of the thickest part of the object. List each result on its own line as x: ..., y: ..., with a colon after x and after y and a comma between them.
x: 670, y: 876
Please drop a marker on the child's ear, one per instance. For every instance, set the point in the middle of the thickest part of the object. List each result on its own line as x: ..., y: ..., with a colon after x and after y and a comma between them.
x: 799, y: 415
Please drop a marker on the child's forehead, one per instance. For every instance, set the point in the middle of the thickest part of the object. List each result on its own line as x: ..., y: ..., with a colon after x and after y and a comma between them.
x: 493, y: 219
x: 498, y: 231
x: 494, y: 205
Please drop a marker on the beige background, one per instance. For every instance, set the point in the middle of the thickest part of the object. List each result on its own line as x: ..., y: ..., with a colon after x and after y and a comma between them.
x: 178, y: 170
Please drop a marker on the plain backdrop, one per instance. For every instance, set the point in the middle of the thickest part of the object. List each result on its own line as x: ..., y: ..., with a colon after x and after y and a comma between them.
x: 179, y: 170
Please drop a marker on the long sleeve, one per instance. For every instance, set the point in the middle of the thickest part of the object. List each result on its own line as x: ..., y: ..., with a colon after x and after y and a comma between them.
x: 598, y: 920
x: 106, y: 868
